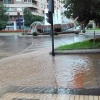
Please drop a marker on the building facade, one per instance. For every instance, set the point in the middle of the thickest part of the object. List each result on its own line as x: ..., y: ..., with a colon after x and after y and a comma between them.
x: 37, y: 7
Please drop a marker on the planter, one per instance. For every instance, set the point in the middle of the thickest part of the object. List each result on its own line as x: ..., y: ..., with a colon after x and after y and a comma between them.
x: 76, y: 32
x: 83, y: 31
x: 55, y: 33
x: 35, y: 33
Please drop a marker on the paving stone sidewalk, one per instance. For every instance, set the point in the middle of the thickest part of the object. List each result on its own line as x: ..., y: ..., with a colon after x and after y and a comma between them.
x: 40, y: 69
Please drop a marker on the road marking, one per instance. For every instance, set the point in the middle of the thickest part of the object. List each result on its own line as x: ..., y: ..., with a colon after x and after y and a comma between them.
x: 26, y: 49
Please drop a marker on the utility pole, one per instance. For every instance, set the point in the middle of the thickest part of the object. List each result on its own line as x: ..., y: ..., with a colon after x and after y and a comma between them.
x: 19, y: 23
x: 50, y: 20
x: 53, y: 54
x: 23, y: 16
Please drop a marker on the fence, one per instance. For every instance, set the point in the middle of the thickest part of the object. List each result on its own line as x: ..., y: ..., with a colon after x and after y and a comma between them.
x: 79, y: 41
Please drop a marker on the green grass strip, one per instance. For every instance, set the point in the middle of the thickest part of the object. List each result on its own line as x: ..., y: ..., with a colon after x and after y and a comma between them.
x: 79, y: 45
x: 94, y: 29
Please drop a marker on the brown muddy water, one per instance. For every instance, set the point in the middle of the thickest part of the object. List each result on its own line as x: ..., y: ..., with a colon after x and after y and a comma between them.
x: 39, y: 69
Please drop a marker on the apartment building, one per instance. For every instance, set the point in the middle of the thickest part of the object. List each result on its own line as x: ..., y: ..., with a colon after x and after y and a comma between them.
x: 37, y: 7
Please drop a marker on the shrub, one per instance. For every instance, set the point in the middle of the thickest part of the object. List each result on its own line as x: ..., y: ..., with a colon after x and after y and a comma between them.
x: 83, y: 31
x: 28, y: 33
x: 35, y: 33
x: 96, y: 40
x: 89, y: 26
x: 23, y: 33
x: 76, y: 32
x: 55, y: 33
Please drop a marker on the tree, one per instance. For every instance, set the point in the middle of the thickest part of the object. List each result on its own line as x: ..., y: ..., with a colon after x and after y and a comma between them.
x: 4, y: 17
x: 85, y: 10
x: 30, y: 18
x: 38, y: 18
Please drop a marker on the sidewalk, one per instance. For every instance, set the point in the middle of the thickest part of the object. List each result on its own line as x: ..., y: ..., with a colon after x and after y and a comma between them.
x: 40, y: 71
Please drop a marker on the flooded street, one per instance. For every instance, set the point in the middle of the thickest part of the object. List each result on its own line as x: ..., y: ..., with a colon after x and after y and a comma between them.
x: 39, y: 70
x: 11, y: 45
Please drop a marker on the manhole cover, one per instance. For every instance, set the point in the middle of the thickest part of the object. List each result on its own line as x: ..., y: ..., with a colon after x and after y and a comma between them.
x: 24, y: 99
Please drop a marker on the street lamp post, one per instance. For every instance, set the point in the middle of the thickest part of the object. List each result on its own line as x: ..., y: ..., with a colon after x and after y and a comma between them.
x: 19, y: 23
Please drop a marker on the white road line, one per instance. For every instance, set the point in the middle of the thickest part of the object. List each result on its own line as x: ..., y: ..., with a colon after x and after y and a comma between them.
x: 26, y: 49
x: 30, y: 50
x: 1, y: 43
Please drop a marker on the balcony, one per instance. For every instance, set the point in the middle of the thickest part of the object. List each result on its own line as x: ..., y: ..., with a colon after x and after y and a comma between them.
x: 12, y: 13
x: 34, y: 10
x: 35, y: 0
x: 26, y: 4
x: 34, y: 4
x: 8, y: 1
x: 11, y: 9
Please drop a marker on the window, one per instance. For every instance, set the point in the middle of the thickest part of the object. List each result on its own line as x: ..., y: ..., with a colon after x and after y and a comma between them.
x: 28, y: 1
x: 18, y: 1
x: 19, y: 9
x: 11, y: 9
x: 42, y: 12
x: 8, y: 2
x: 43, y: 0
x: 42, y: 6
x: 10, y: 24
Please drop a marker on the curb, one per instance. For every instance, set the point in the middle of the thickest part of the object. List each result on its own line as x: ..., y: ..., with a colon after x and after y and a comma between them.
x: 51, y: 90
x: 82, y: 51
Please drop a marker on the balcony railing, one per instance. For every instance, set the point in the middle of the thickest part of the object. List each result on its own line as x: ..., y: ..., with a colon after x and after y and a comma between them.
x: 34, y: 4
x: 35, y: 11
x: 8, y: 2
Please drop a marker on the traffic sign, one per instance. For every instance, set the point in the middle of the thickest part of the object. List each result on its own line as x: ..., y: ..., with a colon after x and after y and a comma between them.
x: 21, y: 21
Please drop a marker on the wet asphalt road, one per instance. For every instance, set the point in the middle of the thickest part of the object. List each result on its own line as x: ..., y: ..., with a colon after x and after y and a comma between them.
x: 11, y: 45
